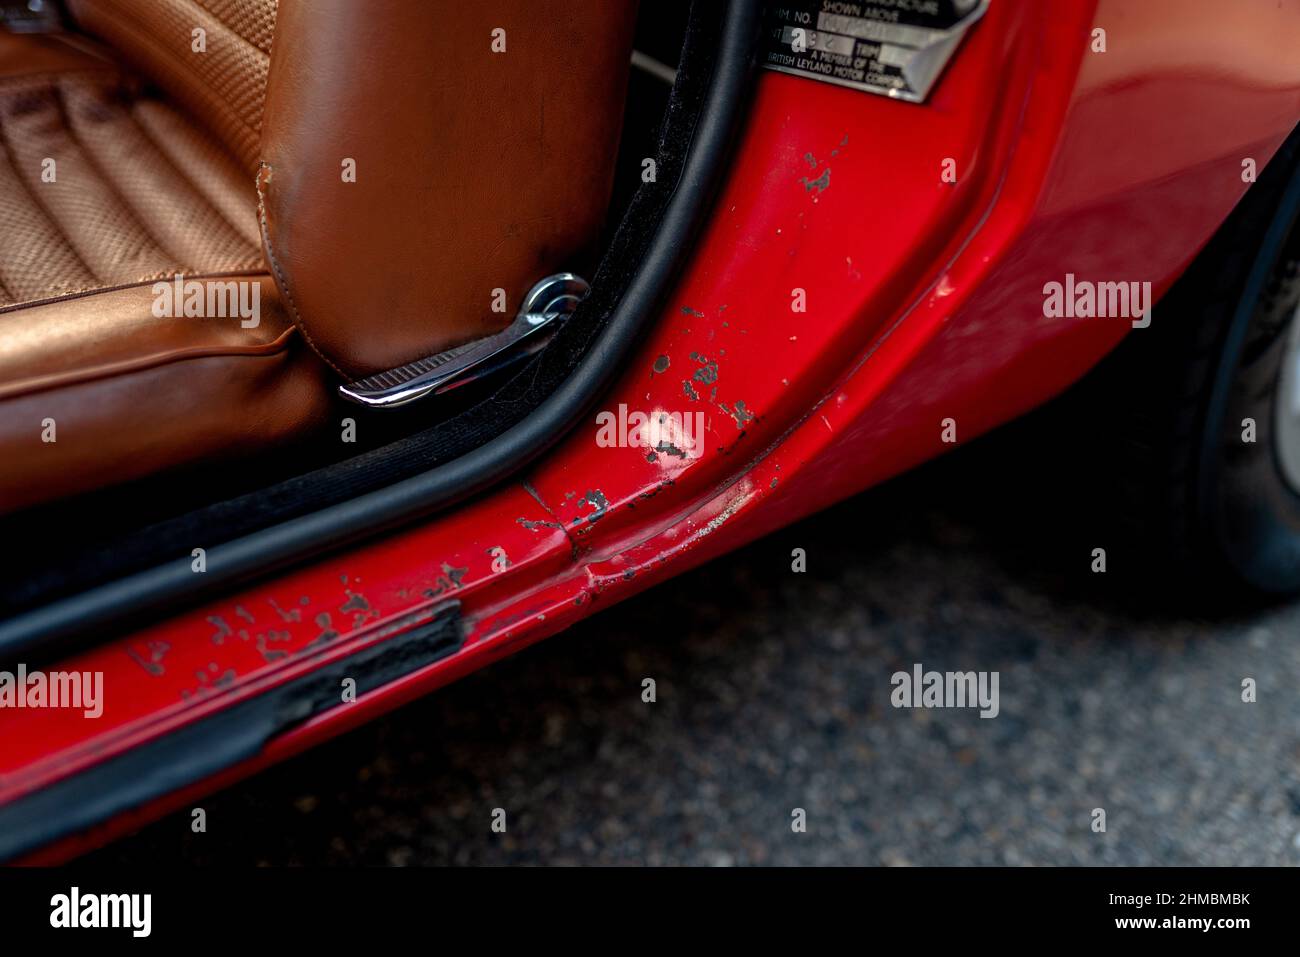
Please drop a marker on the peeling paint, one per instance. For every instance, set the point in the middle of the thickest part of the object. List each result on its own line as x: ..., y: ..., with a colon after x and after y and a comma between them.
x: 663, y: 484
x: 742, y: 415
x: 534, y: 526
x: 223, y: 630
x: 820, y: 184
x: 707, y: 374
x: 293, y: 614
x: 327, y: 632
x: 157, y: 650
x: 661, y: 364
x: 211, y: 684
x: 718, y: 520
x: 449, y: 580
x: 359, y: 606
x: 599, y: 503
x: 355, y: 602
x: 272, y: 654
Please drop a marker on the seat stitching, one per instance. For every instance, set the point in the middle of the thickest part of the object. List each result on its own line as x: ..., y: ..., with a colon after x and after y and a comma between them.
x: 40, y: 203
x: 186, y: 178
x: 265, y: 167
x: 103, y: 175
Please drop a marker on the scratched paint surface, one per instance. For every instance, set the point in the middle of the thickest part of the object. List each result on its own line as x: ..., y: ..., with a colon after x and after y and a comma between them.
x: 209, y: 658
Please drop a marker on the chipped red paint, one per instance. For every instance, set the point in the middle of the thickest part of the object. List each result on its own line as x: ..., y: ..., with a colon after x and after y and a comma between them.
x: 924, y: 301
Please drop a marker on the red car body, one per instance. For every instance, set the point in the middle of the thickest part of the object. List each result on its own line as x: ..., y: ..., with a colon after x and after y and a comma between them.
x: 923, y: 303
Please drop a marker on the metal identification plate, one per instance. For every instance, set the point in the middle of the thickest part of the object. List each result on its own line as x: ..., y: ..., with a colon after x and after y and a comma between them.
x: 896, y: 48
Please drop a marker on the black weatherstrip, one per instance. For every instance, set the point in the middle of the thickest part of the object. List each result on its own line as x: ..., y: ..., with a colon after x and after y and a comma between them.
x: 213, y: 744
x: 60, y: 626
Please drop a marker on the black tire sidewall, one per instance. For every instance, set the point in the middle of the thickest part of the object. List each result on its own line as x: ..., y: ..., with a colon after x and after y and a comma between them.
x: 1248, y: 509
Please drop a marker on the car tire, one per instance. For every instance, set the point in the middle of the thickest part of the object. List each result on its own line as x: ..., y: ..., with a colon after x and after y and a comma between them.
x: 1202, y: 413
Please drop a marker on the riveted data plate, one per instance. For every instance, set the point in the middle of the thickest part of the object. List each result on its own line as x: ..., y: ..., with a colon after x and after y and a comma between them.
x: 895, y: 48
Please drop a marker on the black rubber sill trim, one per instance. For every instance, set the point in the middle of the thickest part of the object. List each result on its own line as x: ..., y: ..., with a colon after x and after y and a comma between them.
x: 220, y: 741
x: 61, y: 626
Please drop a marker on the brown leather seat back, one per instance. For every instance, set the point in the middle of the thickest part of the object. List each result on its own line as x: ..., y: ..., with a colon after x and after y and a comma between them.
x: 482, y: 136
x: 212, y: 55
x: 426, y: 162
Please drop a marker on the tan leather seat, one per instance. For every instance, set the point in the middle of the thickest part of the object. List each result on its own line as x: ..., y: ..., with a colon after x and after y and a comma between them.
x: 129, y: 163
x: 104, y: 190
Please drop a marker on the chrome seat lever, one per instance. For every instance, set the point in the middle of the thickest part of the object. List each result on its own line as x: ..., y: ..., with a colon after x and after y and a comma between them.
x: 544, y: 310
